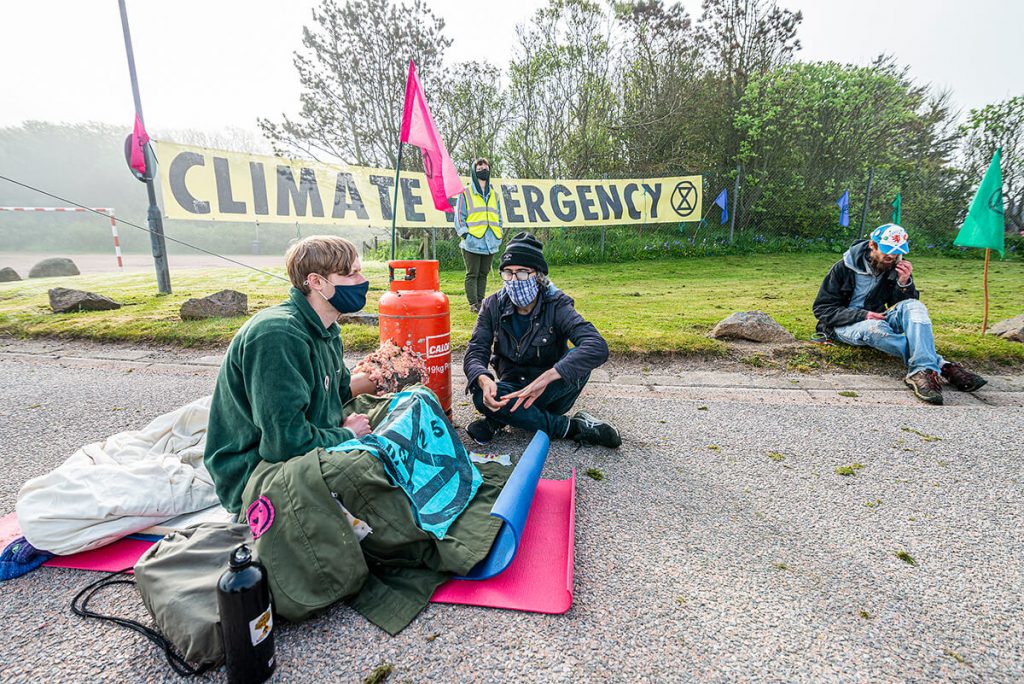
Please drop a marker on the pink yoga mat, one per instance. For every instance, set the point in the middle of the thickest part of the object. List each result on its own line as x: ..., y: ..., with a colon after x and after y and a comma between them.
x: 122, y: 554
x: 539, y: 580
x: 9, y: 530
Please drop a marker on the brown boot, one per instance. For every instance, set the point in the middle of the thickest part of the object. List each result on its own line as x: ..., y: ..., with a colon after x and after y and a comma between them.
x: 926, y: 386
x: 961, y: 378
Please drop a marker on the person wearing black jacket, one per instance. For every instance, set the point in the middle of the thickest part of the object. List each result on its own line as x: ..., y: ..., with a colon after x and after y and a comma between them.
x: 522, y: 332
x: 869, y: 299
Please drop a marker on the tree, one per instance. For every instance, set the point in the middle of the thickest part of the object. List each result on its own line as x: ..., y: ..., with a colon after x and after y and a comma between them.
x: 231, y: 138
x: 561, y: 93
x: 83, y: 163
x: 353, y: 71
x: 810, y: 130
x: 999, y: 125
x: 471, y: 113
x: 745, y: 39
x: 660, y: 124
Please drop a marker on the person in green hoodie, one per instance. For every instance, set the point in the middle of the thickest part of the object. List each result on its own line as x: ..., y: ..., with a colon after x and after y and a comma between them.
x: 283, y: 385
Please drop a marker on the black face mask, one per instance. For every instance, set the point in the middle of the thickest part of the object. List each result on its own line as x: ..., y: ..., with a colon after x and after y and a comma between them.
x: 483, y: 174
x: 347, y: 298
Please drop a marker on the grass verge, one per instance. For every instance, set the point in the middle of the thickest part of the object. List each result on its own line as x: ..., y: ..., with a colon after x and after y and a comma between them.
x: 652, y: 307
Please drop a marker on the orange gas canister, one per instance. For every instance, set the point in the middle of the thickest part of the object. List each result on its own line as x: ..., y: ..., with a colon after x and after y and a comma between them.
x: 414, y: 311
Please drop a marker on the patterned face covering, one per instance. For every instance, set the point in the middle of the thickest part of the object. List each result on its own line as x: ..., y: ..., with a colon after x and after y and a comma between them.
x: 522, y: 292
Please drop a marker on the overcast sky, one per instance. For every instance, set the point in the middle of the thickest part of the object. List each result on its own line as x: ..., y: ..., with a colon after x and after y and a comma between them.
x: 209, y: 64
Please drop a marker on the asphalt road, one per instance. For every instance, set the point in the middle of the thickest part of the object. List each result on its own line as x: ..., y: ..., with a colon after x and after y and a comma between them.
x: 699, y: 557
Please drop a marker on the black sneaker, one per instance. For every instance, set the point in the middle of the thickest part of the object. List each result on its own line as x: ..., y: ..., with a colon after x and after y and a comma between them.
x: 961, y: 378
x: 482, y: 431
x: 926, y: 386
x: 590, y: 430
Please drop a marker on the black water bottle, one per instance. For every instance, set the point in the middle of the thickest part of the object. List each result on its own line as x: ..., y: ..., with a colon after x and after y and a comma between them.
x: 246, y: 619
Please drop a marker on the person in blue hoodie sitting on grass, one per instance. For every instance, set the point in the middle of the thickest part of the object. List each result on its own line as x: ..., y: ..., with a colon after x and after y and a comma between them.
x: 869, y: 299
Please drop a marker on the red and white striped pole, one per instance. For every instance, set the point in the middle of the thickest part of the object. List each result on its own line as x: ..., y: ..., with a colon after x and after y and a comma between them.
x: 117, y: 240
x: 103, y: 210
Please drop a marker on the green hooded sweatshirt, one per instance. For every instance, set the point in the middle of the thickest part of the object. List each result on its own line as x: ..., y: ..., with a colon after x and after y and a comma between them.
x: 280, y: 394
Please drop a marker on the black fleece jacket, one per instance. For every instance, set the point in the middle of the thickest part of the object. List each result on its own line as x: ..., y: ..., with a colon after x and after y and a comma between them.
x: 554, y: 322
x: 832, y: 305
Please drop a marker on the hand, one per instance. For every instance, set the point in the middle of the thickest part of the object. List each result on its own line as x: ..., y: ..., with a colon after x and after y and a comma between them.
x: 903, y: 269
x: 490, y: 390
x: 872, y: 316
x: 529, y: 394
x: 360, y: 383
x: 358, y: 423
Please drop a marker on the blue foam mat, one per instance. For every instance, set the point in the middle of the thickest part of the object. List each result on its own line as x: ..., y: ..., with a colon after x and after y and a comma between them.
x: 513, y: 506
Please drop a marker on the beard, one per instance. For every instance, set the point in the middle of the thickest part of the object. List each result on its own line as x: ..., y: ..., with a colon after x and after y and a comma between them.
x: 879, y: 264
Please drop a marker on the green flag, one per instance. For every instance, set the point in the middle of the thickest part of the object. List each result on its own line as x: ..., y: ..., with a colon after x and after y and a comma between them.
x: 983, y: 226
x: 897, y: 204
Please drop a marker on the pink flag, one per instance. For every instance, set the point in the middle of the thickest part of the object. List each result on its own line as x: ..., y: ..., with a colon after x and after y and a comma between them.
x: 139, y: 140
x: 418, y: 129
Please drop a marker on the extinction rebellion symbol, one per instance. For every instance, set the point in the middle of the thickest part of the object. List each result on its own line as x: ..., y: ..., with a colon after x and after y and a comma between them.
x: 995, y: 201
x: 684, y: 198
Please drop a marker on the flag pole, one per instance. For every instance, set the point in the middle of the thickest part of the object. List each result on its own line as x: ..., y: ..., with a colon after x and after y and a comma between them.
x: 701, y: 222
x: 735, y: 199
x: 867, y: 200
x: 394, y: 206
x: 984, y: 320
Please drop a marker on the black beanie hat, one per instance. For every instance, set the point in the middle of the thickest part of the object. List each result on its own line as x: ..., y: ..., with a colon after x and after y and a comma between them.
x: 524, y: 250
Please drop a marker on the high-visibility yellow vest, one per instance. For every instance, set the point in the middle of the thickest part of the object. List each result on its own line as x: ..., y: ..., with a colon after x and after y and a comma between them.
x: 481, y: 214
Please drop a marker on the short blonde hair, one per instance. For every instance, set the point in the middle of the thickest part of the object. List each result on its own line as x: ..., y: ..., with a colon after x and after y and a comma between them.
x: 320, y: 254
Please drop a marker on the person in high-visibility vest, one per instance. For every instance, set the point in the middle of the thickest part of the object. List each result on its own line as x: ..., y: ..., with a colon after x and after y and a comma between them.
x: 478, y: 222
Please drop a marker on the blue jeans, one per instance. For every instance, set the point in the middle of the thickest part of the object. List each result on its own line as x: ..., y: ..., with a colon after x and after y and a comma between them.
x: 906, y: 332
x: 547, y: 413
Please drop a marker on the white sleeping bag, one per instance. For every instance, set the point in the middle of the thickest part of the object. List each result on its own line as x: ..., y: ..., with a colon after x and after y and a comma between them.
x: 124, y: 484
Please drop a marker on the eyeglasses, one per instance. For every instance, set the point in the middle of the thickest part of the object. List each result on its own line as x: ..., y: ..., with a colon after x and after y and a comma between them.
x: 518, y: 274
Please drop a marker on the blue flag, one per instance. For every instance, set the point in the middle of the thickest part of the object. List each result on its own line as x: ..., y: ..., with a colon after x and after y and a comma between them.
x: 844, y: 209
x: 723, y: 201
